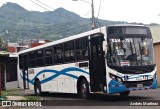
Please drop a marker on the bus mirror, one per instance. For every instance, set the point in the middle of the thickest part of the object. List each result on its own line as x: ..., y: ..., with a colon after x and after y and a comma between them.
x: 104, y: 45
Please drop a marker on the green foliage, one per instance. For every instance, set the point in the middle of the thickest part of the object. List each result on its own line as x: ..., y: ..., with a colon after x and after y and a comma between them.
x: 2, y: 46
x: 32, y: 98
x: 18, y: 23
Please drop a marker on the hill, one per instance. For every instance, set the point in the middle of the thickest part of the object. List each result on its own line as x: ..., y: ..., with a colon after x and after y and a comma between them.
x: 19, y: 23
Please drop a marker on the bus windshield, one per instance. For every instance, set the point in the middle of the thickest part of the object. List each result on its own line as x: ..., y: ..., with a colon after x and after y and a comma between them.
x: 130, y: 51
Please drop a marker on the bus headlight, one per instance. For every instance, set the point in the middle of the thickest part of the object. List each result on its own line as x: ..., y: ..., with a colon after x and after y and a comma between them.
x: 112, y: 76
x: 116, y: 78
x: 119, y: 80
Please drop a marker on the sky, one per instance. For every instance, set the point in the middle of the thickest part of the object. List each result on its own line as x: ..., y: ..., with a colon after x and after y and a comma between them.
x: 140, y: 11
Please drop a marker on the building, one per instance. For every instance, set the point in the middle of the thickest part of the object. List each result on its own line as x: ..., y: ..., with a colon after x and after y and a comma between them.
x: 10, y: 73
x: 16, y: 47
x: 8, y: 67
x: 155, y: 30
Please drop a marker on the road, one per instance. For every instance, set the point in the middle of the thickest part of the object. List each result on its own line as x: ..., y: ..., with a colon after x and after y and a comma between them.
x: 70, y: 101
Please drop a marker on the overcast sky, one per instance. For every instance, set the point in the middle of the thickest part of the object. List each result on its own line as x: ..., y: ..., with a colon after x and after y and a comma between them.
x: 140, y: 11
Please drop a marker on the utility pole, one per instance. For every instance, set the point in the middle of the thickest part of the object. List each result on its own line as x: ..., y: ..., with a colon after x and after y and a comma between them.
x: 93, y: 18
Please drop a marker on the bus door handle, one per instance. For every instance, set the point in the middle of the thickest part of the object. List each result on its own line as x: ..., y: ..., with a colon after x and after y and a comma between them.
x: 43, y: 75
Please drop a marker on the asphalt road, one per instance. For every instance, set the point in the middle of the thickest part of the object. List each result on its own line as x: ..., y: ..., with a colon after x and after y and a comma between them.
x: 144, y: 99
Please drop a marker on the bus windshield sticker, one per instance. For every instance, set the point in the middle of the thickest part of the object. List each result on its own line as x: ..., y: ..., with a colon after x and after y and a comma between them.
x: 125, y: 63
x: 120, y: 52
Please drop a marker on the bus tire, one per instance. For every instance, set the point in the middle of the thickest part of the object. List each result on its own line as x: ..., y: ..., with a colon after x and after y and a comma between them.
x: 124, y: 94
x: 37, y: 88
x: 83, y: 90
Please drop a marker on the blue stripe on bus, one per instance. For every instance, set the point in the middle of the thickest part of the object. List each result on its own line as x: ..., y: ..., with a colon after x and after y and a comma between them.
x: 115, y: 87
x: 154, y: 84
x: 26, y: 79
x: 43, y: 71
x: 56, y: 74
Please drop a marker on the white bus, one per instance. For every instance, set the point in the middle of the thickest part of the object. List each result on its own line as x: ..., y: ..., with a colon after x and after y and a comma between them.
x: 113, y: 59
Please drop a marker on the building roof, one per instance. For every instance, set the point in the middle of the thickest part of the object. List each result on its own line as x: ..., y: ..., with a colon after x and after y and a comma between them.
x: 155, y: 31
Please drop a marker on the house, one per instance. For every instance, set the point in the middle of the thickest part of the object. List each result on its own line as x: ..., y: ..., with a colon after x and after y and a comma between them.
x: 8, y: 66
x: 3, y: 58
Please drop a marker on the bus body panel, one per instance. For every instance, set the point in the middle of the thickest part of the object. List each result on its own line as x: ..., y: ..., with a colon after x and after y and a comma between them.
x: 58, y: 78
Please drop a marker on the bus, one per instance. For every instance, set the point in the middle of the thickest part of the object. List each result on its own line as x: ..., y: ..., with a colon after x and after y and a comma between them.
x: 106, y: 60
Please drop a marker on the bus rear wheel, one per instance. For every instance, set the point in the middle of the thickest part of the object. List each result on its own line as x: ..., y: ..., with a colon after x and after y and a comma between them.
x: 83, y: 90
x: 37, y: 87
x: 124, y: 94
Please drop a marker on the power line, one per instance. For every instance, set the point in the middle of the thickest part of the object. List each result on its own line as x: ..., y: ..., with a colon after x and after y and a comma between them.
x: 44, y: 4
x: 68, y: 17
x: 99, y: 9
x: 39, y: 5
x: 48, y: 9
x: 98, y: 13
x: 98, y: 22
x: 88, y: 12
x: 62, y: 14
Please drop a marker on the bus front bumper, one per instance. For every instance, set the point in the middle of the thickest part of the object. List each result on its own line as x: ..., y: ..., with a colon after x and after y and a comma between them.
x: 116, y: 87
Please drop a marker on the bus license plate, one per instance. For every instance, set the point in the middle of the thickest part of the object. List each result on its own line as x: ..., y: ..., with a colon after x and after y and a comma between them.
x: 139, y: 85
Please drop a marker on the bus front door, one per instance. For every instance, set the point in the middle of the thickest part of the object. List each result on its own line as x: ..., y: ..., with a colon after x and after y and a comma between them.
x: 96, y: 63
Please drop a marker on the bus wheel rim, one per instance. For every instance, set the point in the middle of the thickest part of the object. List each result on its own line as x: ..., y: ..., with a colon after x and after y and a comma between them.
x: 83, y: 89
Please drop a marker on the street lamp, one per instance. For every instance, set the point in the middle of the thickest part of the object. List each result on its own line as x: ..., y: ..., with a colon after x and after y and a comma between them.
x: 93, y: 18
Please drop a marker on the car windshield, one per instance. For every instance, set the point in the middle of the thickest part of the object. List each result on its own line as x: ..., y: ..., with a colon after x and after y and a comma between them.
x: 130, y: 51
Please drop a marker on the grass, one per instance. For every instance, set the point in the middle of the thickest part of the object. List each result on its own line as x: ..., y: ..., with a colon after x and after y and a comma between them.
x: 18, y: 92
x: 32, y: 98
x: 15, y: 92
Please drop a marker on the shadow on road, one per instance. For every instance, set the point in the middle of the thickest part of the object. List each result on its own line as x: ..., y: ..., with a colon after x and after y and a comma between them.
x: 67, y: 99
x: 97, y: 97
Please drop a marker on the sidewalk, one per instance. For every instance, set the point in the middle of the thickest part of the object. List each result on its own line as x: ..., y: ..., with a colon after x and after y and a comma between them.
x: 21, y: 95
x: 15, y: 98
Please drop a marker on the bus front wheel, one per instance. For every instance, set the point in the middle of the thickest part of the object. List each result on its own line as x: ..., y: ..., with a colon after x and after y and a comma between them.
x: 37, y: 87
x: 124, y: 94
x: 83, y: 90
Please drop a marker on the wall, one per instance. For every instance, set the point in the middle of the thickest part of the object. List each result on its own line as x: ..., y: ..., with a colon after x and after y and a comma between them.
x: 157, y: 59
x: 155, y: 30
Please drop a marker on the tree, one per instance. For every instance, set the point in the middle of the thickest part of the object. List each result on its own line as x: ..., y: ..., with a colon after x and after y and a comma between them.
x: 3, y: 46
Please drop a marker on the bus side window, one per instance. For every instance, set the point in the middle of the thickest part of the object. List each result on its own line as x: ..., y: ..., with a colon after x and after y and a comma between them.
x: 39, y: 58
x: 32, y: 59
x: 82, y: 49
x: 69, y: 51
x: 58, y: 54
x: 48, y: 56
